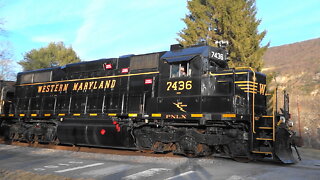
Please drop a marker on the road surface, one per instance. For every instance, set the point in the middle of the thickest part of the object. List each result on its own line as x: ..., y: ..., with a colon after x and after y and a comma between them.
x: 18, y: 162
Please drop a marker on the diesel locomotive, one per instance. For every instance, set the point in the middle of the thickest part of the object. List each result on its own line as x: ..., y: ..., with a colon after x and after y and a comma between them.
x: 186, y: 101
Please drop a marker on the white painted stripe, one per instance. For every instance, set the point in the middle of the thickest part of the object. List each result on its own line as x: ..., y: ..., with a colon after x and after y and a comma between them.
x: 51, y: 166
x: 180, y: 175
x: 108, y: 170
x: 39, y: 169
x: 80, y: 167
x: 146, y: 173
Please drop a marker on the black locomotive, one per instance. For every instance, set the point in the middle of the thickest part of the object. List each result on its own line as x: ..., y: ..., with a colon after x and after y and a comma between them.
x: 185, y: 101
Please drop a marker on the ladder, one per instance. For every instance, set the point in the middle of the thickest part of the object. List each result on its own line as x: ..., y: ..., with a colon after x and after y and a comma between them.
x: 263, y: 137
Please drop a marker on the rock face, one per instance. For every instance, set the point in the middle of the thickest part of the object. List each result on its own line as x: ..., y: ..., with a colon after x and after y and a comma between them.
x: 297, y: 70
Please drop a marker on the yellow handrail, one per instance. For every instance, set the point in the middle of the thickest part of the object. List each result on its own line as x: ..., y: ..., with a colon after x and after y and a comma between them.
x: 253, y: 112
x: 273, y: 117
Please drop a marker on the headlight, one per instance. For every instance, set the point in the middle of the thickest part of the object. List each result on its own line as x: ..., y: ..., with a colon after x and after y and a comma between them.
x: 283, y: 119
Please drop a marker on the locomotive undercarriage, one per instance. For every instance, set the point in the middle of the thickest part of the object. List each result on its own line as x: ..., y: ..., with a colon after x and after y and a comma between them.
x: 218, y: 138
x: 223, y: 138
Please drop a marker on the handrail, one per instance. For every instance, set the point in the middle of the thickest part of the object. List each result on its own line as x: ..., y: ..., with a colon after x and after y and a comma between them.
x: 253, y: 96
x: 273, y: 118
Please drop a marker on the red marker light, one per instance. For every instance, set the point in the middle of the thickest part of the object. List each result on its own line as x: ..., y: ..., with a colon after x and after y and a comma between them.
x: 102, y: 131
x: 124, y: 70
x: 107, y: 66
x: 148, y: 81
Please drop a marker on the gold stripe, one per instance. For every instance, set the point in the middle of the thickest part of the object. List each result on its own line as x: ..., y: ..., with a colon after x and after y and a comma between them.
x: 246, y: 82
x: 94, y: 78
x: 156, y: 115
x: 261, y: 152
x: 47, y: 115
x: 110, y: 114
x: 251, y: 92
x: 132, y: 115
x: 21, y: 115
x: 76, y: 114
x: 246, y: 85
x: 223, y: 74
x: 61, y: 114
x: 266, y: 94
x: 197, y: 115
x: 3, y: 115
x: 267, y: 116
x: 11, y: 115
x: 94, y: 114
x: 231, y: 73
x: 33, y: 115
x: 242, y: 73
x: 264, y: 139
x: 252, y: 89
x: 229, y: 115
x: 178, y: 93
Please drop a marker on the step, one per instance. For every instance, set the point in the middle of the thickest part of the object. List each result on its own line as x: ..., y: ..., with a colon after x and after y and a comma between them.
x: 267, y: 116
x: 262, y: 127
x: 261, y: 152
x: 264, y: 139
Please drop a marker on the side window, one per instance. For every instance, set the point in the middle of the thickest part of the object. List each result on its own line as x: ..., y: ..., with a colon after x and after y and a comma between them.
x: 174, y: 70
x: 180, y: 70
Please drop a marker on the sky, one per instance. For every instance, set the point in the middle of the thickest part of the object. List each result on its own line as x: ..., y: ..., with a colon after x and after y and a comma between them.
x: 108, y: 28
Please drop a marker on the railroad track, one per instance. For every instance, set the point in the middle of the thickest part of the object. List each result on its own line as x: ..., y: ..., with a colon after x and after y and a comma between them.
x: 148, y: 153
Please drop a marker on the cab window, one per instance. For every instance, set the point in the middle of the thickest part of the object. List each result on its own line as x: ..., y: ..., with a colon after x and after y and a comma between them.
x: 180, y: 70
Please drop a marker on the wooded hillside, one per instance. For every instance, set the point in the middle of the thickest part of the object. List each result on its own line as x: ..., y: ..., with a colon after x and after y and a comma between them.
x: 297, y: 68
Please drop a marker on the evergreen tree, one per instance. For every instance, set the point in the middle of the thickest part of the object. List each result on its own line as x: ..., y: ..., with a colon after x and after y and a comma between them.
x: 232, y: 20
x: 55, y: 54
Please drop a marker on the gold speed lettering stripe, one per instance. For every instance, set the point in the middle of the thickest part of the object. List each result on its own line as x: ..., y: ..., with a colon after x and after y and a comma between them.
x: 251, y: 92
x: 250, y: 85
x: 245, y: 82
x: 252, y: 89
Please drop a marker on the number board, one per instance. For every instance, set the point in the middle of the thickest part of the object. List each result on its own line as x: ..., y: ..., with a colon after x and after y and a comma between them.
x: 176, y: 87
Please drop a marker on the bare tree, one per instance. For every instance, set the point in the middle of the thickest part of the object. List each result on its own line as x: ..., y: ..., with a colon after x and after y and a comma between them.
x: 6, y: 64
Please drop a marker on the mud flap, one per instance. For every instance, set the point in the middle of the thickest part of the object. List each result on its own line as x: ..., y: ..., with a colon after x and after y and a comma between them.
x: 283, y: 145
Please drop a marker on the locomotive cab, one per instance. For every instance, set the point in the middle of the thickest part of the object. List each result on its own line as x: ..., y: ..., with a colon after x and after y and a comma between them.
x: 186, y: 83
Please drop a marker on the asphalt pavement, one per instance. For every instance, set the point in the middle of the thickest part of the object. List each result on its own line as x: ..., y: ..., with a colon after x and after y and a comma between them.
x: 18, y: 162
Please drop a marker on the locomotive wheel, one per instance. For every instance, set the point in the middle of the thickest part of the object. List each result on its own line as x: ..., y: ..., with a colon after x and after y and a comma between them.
x: 188, y: 146
x: 30, y: 138
x: 159, y: 147
x: 55, y: 141
x: 12, y: 135
x: 203, y: 150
